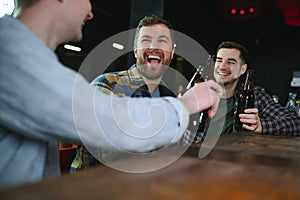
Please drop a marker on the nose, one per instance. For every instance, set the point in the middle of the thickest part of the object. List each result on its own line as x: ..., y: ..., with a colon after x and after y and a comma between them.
x: 153, y: 45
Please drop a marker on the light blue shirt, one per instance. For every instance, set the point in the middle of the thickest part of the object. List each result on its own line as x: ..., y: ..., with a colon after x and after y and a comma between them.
x: 155, y: 93
x: 43, y: 102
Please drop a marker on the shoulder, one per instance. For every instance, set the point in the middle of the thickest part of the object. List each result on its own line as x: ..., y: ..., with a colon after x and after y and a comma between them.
x: 260, y: 91
x: 258, y: 88
x: 109, y: 77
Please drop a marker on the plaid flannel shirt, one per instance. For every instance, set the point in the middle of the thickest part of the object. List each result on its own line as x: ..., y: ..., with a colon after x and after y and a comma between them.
x: 275, y: 119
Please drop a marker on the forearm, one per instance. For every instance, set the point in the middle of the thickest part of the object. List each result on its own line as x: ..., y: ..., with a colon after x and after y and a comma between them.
x: 281, y: 126
x: 131, y: 124
x: 276, y: 119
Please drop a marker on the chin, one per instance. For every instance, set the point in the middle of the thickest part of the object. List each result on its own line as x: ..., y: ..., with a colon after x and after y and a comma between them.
x: 221, y: 81
x: 77, y: 38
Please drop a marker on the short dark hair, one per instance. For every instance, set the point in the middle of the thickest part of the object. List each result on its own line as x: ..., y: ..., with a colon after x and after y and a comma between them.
x: 21, y: 4
x: 24, y: 3
x: 152, y: 20
x: 244, y: 55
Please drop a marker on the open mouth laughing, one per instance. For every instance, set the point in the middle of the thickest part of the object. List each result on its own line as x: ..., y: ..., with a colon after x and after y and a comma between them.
x: 154, y: 59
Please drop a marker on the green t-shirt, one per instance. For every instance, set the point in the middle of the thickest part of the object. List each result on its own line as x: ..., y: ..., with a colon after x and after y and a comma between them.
x: 224, y: 115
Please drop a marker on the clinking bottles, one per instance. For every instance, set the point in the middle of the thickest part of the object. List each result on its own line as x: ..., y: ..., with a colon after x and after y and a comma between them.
x: 196, y: 78
x: 200, y: 120
x: 245, y: 100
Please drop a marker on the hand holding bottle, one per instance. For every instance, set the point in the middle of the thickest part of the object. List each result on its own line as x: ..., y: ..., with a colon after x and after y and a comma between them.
x: 202, y: 96
x: 247, y: 118
x: 251, y: 120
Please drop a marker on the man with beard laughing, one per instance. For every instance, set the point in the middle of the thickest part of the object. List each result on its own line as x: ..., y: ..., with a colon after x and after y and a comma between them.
x: 154, y: 48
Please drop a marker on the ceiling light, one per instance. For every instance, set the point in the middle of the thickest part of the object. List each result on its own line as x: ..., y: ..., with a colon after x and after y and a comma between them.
x: 118, y: 46
x: 71, y: 47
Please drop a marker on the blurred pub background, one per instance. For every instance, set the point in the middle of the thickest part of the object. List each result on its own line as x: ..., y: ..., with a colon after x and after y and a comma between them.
x: 270, y: 29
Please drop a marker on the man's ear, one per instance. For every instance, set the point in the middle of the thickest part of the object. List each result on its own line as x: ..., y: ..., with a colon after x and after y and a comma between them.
x: 135, y: 52
x: 243, y: 69
x: 173, y: 51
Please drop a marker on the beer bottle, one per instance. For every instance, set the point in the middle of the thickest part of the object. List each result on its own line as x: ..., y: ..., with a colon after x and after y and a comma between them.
x: 196, y: 78
x: 245, y: 100
x: 200, y: 120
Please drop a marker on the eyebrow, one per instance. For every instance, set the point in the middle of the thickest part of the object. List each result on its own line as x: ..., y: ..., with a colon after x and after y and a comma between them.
x: 164, y: 36
x: 160, y: 37
x: 230, y: 59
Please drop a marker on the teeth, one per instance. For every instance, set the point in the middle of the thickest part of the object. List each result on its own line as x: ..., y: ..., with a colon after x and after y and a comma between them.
x: 153, y: 57
x: 221, y: 73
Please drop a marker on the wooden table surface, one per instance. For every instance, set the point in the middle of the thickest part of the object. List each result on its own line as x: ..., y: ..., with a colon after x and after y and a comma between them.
x: 240, y: 166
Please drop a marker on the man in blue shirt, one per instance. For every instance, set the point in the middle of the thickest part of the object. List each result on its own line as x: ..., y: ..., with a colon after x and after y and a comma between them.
x: 43, y: 102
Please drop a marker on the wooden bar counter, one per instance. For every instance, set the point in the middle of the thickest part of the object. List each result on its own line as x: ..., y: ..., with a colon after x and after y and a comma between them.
x: 242, y: 165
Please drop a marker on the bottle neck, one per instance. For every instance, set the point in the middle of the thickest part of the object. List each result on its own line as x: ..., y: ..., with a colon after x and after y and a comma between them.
x: 197, y: 78
x: 248, y: 86
x: 248, y: 83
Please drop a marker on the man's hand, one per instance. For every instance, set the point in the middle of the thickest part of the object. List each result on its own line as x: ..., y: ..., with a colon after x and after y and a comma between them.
x: 251, y: 120
x: 202, y: 96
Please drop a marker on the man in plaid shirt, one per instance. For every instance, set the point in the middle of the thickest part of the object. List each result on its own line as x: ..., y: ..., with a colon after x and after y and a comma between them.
x: 267, y: 117
x: 143, y: 79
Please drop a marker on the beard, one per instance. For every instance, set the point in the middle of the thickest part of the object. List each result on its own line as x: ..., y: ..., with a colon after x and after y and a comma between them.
x: 153, y: 71
x: 150, y: 74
